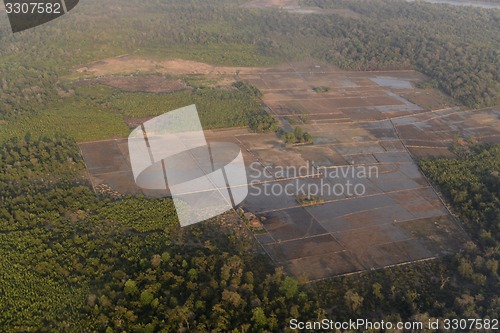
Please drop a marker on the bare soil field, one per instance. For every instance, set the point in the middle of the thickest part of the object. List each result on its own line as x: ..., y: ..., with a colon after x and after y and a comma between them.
x: 143, y: 83
x: 375, y: 121
x: 362, y: 120
x: 129, y: 64
x: 140, y: 73
x: 107, y: 164
x: 431, y: 134
x: 429, y: 99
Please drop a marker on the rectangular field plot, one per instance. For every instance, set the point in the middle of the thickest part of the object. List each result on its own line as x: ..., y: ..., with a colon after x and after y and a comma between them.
x: 108, y: 163
x: 104, y: 157
x: 432, y: 134
x: 325, y: 265
x: 290, y: 224
x: 301, y: 248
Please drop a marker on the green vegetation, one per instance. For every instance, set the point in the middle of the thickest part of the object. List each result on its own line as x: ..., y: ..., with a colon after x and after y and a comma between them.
x: 322, y: 89
x: 297, y: 136
x: 428, y: 84
x: 94, y: 112
x: 309, y: 200
x: 303, y: 118
x: 80, y: 118
x: 71, y: 261
x: 472, y: 185
x: 215, y: 47
x: 217, y: 108
x: 248, y: 88
x: 456, y: 46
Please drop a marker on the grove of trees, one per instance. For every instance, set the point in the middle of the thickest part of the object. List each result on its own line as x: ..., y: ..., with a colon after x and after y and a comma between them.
x: 74, y: 261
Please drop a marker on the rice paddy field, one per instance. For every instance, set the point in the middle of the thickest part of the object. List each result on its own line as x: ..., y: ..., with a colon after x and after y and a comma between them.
x: 375, y: 121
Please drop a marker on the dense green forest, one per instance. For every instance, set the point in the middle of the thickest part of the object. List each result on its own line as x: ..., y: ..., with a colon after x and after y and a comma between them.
x: 71, y: 261
x: 94, y: 112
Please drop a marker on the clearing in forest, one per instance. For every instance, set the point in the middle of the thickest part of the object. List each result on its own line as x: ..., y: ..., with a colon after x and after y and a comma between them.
x: 377, y: 120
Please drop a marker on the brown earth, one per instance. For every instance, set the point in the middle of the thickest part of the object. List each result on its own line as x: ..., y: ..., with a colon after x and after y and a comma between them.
x: 358, y: 123
x: 143, y: 83
x: 127, y: 64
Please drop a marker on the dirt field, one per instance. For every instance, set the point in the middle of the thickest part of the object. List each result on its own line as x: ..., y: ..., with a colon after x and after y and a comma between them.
x: 363, y: 121
x: 137, y: 73
x: 128, y: 64
x: 143, y: 83
x: 431, y: 134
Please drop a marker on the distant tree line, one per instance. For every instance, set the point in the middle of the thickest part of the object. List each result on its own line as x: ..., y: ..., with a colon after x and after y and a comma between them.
x: 456, y: 46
